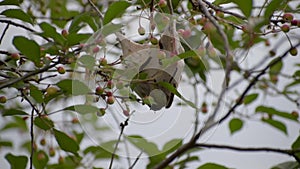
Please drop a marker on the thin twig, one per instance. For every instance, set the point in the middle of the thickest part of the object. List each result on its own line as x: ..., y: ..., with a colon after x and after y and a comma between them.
x: 290, y: 152
x: 4, y: 31
x: 192, y: 142
x: 31, y: 139
x: 24, y: 27
x: 122, y: 125
x: 229, y: 55
x: 136, y: 160
x: 96, y: 9
x: 13, y: 81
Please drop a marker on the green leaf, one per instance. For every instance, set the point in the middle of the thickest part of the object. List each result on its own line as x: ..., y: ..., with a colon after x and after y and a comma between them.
x: 211, y: 166
x: 13, y: 112
x: 36, y: 94
x: 83, y: 109
x: 296, y: 143
x: 297, y: 74
x: 272, y: 7
x: 144, y: 145
x: 287, y: 165
x: 73, y: 87
x: 272, y: 111
x: 38, y: 161
x: 50, y: 31
x: 6, y: 144
x: 276, y: 68
x: 235, y: 125
x: 277, y: 124
x: 173, y: 90
x: 27, y: 47
x: 250, y: 98
x: 171, y: 146
x: 65, y: 142
x: 88, y: 61
x: 110, y: 28
x: 10, y: 2
x: 86, y: 18
x: 17, y: 14
x: 76, y: 38
x: 114, y: 10
x: 16, y: 162
x: 245, y: 6
x: 44, y: 123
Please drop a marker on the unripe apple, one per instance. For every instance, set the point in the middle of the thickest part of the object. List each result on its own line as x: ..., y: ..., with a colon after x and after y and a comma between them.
x: 99, y: 90
x: 110, y: 84
x: 51, y: 90
x: 61, y: 160
x: 96, y: 49
x: 101, y: 112
x: 287, y: 17
x: 109, y: 93
x: 295, y: 114
x: 272, y: 53
x: 285, y: 28
x: 64, y: 33
x: 161, y: 55
x: 204, y: 108
x: 61, y: 70
x: 293, y: 51
x: 3, y: 99
x: 294, y: 22
x: 162, y: 3
x: 110, y: 100
x: 15, y: 56
x: 141, y: 30
x: 103, y: 61
x: 43, y: 141
x: 153, y: 40
x: 220, y: 14
x: 186, y: 33
x: 51, y: 152
x: 75, y: 120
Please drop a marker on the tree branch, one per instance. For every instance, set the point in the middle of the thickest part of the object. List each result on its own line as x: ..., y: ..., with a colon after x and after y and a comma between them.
x: 11, y: 82
x: 24, y: 27
x: 290, y: 152
x: 192, y: 143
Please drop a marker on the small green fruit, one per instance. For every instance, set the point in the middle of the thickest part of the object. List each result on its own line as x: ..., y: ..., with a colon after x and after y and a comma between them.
x: 51, y: 152
x: 51, y: 90
x: 15, y: 56
x: 3, y: 99
x: 141, y: 30
x: 61, y: 70
x: 99, y: 90
x: 287, y: 17
x: 110, y: 84
x: 293, y: 51
x: 285, y: 28
x: 43, y: 141
x: 103, y: 61
x: 153, y: 40
x: 162, y: 3
x: 110, y: 100
x: 96, y: 49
